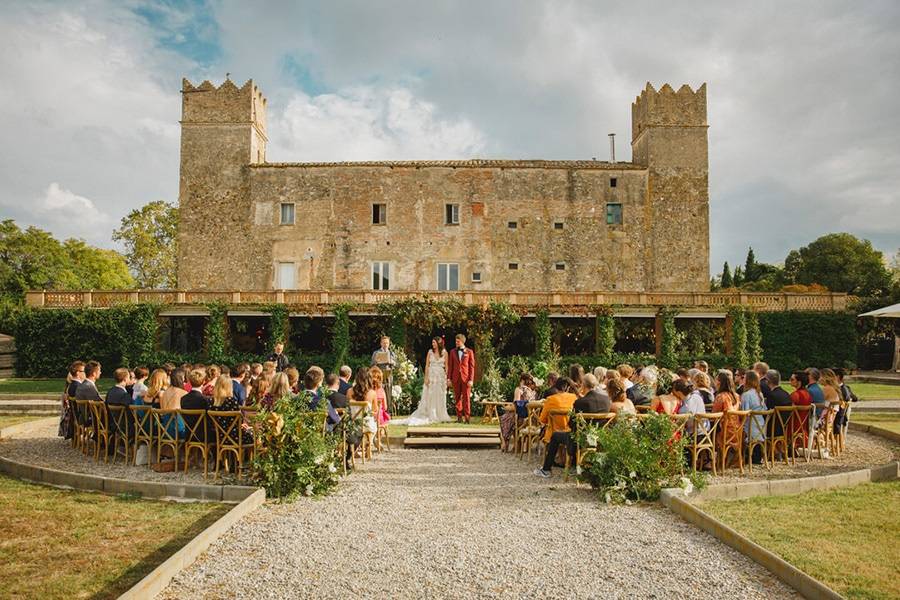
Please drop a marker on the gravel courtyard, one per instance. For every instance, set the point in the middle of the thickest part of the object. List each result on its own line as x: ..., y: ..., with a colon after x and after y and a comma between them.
x: 466, y: 524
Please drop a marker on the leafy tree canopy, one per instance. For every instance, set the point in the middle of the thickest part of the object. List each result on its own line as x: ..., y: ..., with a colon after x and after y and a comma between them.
x: 150, y: 237
x: 844, y: 263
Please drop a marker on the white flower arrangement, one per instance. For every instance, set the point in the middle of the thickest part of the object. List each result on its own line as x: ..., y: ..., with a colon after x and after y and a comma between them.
x: 397, y: 392
x: 687, y: 486
x: 404, y: 371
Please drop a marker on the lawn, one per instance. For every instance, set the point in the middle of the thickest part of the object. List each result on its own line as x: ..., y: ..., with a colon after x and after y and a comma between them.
x: 65, y: 544
x: 9, y: 420
x: 845, y: 538
x: 43, y: 386
x: 863, y: 391
x: 400, y: 430
x: 889, y: 421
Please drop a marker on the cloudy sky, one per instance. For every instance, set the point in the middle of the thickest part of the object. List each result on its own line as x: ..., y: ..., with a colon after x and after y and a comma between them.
x: 804, y: 127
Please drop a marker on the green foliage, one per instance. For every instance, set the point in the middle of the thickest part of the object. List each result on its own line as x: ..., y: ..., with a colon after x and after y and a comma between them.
x: 48, y: 340
x: 750, y: 273
x: 739, y: 356
x: 604, y: 332
x: 34, y: 259
x: 668, y: 347
x: 340, y: 334
x: 754, y: 338
x: 738, y: 277
x: 726, y: 280
x: 296, y: 457
x: 795, y: 340
x: 843, y: 263
x: 542, y: 335
x: 634, y: 459
x: 151, y: 242
x: 215, y: 332
x: 279, y: 324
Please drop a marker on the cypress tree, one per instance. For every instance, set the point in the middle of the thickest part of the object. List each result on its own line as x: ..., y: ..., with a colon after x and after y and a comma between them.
x: 738, y: 278
x: 750, y: 267
x: 727, y: 281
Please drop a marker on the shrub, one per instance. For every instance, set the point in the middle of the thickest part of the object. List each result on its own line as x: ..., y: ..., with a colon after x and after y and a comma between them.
x: 296, y: 457
x: 634, y: 459
x: 797, y: 339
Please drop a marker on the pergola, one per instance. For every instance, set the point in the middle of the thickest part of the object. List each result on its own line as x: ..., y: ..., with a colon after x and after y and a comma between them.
x: 889, y: 312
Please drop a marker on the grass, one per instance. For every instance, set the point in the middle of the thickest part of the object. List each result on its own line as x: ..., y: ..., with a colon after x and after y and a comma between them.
x: 400, y: 430
x: 845, y: 538
x: 889, y: 421
x: 7, y: 421
x: 65, y: 544
x: 43, y: 386
x: 864, y: 391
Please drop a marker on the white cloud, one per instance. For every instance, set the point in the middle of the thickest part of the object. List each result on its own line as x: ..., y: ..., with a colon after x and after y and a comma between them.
x: 69, y: 214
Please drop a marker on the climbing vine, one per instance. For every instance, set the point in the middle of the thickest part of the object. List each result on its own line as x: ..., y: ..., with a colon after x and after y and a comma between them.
x: 543, y: 334
x: 215, y: 332
x: 668, y: 346
x: 604, y: 332
x: 754, y: 337
x: 279, y: 323
x: 739, y: 356
x: 340, y: 334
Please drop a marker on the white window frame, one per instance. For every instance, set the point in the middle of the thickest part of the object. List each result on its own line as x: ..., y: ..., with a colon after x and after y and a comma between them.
x: 446, y: 284
x: 378, y: 269
x: 454, y: 213
x: 281, y: 220
x: 279, y: 284
x: 476, y: 277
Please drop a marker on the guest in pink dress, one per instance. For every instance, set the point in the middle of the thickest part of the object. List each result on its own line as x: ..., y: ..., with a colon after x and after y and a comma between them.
x: 380, y: 409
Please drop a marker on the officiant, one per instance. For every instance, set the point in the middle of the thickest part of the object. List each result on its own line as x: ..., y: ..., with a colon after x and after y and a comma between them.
x: 385, y: 359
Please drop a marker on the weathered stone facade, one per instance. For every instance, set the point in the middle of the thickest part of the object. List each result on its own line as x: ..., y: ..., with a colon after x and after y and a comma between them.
x: 522, y: 225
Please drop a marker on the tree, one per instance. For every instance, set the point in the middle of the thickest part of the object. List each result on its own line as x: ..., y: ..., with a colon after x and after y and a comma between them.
x: 149, y: 235
x: 843, y: 263
x: 727, y: 281
x: 738, y: 278
x: 96, y: 268
x: 792, y: 266
x: 750, y: 273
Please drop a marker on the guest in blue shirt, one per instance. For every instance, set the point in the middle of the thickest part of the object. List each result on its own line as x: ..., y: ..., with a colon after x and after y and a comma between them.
x: 238, y: 376
x: 311, y: 382
x: 815, y: 390
x: 345, y: 373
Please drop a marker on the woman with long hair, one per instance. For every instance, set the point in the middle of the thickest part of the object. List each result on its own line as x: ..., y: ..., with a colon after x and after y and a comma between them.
x: 280, y: 388
x: 619, y: 402
x: 432, y: 406
x: 259, y: 389
x: 752, y: 399
x: 726, y: 399
x: 159, y: 381
x: 379, y: 409
x: 524, y: 393
x: 223, y: 400
x: 800, y: 397
x: 668, y: 404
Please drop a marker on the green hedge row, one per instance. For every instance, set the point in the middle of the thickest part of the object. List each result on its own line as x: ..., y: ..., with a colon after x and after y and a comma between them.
x: 795, y: 340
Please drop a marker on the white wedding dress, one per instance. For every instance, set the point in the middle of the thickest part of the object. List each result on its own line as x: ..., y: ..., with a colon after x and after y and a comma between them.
x: 433, y: 405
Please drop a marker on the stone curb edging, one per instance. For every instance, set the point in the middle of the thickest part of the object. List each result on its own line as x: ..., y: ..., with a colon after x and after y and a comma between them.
x: 805, y: 585
x: 872, y: 429
x: 161, y: 576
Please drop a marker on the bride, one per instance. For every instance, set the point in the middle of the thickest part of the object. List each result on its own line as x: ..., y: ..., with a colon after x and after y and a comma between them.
x: 433, y: 405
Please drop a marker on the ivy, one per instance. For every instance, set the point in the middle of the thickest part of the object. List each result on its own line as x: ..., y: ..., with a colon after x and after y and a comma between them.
x: 279, y: 324
x: 340, y: 334
x: 668, y: 346
x: 739, y: 356
x: 604, y: 332
x: 754, y: 338
x: 795, y: 340
x: 543, y: 334
x: 215, y: 332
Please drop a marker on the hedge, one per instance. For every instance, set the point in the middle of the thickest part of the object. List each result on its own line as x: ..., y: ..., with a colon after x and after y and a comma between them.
x: 795, y: 340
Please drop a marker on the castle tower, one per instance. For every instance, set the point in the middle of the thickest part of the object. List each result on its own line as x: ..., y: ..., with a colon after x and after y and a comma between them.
x: 669, y: 137
x: 223, y: 130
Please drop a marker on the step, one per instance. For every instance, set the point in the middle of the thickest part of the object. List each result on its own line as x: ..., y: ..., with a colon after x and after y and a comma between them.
x: 452, y: 442
x: 452, y: 432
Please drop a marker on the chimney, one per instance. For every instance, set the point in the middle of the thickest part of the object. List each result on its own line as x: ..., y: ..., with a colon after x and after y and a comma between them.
x: 612, y: 147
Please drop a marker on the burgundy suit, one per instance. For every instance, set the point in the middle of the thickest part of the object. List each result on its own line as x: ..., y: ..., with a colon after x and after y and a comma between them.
x: 460, y: 373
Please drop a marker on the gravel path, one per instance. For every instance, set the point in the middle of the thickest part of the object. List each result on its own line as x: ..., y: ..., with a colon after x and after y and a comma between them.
x: 466, y: 524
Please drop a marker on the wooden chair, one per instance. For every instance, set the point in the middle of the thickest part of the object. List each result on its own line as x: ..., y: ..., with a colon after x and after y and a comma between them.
x: 72, y: 408
x: 823, y: 435
x: 680, y: 422
x: 602, y: 420
x: 528, y: 432
x: 382, y: 436
x: 142, y: 415
x: 196, y: 437
x: 703, y: 438
x: 162, y: 421
x: 101, y: 429
x: 782, y: 419
x: 731, y: 437
x: 766, y: 442
x: 842, y: 434
x: 559, y: 414
x: 120, y: 417
x: 342, y: 433
x: 229, y: 439
x: 799, y: 430
x: 359, y: 409
x: 84, y: 425
x: 643, y: 409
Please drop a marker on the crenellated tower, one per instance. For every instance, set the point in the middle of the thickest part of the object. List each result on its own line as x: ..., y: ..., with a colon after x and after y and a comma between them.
x: 223, y: 131
x: 669, y: 138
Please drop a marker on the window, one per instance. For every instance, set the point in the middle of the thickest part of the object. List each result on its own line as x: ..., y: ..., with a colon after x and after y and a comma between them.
x: 379, y: 214
x: 448, y: 277
x: 613, y: 181
x: 613, y: 214
x: 476, y: 276
x: 381, y: 276
x: 286, y: 276
x: 287, y: 213
x: 451, y: 214
x: 558, y: 225
x: 512, y: 225
x: 560, y: 266
x: 513, y: 266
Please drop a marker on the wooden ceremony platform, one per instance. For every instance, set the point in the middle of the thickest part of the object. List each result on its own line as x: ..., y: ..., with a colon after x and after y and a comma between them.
x: 452, y: 437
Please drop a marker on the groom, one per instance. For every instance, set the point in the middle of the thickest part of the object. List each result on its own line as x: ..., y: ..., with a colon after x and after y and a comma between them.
x: 461, y: 375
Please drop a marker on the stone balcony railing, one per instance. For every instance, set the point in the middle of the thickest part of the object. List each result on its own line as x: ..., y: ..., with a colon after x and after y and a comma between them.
x: 701, y: 301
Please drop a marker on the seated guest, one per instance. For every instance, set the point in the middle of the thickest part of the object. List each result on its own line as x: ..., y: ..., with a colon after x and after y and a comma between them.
x: 761, y: 369
x: 556, y: 431
x: 268, y: 368
x: 625, y: 371
x: 380, y: 409
x: 847, y: 396
x: 682, y: 374
x: 552, y: 378
x: 696, y: 401
x: 140, y: 385
x: 670, y: 403
x: 239, y: 375
x: 800, y: 397
x: 87, y: 389
x: 524, y: 393
x: 168, y: 368
x: 345, y: 374
x: 74, y: 377
x: 159, y: 381
x: 293, y: 378
x: 619, y: 402
x: 118, y: 394
x: 595, y: 400
x: 752, y: 399
x: 258, y: 392
x: 645, y: 386
x: 600, y: 374
x: 727, y: 399
x: 337, y: 398
x: 576, y: 372
x: 311, y: 382
x: 256, y: 370
x: 739, y: 375
x: 815, y: 390
x: 223, y: 400
x: 212, y: 373
x: 170, y: 399
x: 279, y: 390
x: 778, y: 396
x: 196, y: 400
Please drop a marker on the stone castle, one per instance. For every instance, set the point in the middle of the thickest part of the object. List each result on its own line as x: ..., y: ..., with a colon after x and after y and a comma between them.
x: 469, y: 225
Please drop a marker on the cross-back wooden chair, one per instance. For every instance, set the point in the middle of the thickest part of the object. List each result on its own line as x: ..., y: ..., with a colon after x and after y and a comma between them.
x: 196, y: 437
x: 342, y: 433
x: 731, y: 437
x: 101, y: 429
x: 120, y: 421
x: 602, y: 420
x: 765, y: 416
x: 703, y: 438
x: 358, y: 410
x: 799, y: 430
x: 73, y: 413
x: 142, y: 415
x: 643, y: 408
x: 84, y: 424
x: 528, y: 432
x: 823, y: 436
x: 845, y: 424
x: 229, y: 440
x: 782, y: 419
x: 165, y: 422
x: 680, y: 421
x: 250, y: 413
x: 557, y: 416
